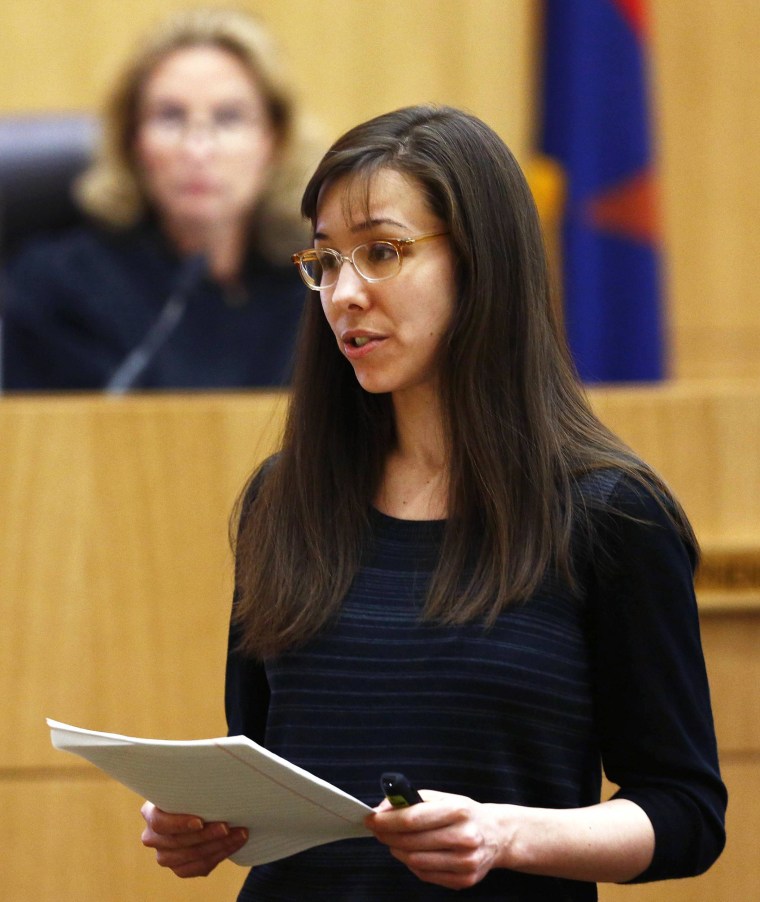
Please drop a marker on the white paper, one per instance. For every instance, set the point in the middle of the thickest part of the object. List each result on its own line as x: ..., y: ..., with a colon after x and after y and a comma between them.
x: 285, y: 808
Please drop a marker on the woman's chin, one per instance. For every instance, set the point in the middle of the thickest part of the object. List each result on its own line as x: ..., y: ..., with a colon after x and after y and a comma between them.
x: 372, y: 383
x: 196, y: 215
x: 201, y: 219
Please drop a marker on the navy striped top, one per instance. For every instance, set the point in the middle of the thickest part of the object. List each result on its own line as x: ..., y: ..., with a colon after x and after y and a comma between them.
x: 524, y: 712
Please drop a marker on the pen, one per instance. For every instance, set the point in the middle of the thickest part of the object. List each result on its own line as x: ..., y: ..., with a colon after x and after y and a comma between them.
x: 398, y: 790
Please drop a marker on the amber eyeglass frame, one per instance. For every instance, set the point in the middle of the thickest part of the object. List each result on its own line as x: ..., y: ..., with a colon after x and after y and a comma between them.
x: 312, y: 253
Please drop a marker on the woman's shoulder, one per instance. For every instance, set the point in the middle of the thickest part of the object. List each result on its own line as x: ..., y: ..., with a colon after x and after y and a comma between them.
x: 253, y: 486
x: 72, y: 248
x: 624, y: 507
x: 84, y: 271
x: 618, y: 490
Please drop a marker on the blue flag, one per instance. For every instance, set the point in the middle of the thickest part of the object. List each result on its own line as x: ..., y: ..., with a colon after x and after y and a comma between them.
x: 596, y: 125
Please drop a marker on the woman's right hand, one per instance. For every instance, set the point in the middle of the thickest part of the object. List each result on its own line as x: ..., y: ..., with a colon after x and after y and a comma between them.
x: 187, y: 845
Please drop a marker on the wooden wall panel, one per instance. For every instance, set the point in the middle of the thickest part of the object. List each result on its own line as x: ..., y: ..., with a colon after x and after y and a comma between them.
x: 706, y: 83
x: 115, y: 580
x: 695, y: 433
x: 115, y: 527
x: 76, y: 838
x: 350, y: 60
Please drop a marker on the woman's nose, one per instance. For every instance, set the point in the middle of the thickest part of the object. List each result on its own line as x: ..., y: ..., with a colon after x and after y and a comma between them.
x: 350, y: 289
x: 199, y: 140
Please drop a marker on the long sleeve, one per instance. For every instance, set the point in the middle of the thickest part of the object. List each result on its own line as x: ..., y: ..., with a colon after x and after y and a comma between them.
x: 651, y: 691
x: 246, y: 691
x: 246, y: 694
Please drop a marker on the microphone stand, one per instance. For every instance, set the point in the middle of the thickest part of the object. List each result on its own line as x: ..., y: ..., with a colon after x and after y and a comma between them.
x: 132, y: 367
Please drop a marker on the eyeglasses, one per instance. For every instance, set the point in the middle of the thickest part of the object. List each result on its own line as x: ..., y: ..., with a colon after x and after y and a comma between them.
x: 374, y: 261
x: 231, y: 128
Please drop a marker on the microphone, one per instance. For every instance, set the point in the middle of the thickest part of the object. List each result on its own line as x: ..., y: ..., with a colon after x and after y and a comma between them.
x: 190, y: 273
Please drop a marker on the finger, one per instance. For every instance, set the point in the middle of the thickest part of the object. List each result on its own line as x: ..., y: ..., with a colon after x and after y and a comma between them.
x: 439, y: 860
x: 385, y: 805
x: 426, y: 794
x: 212, y: 832
x: 194, y: 867
x: 163, y: 822
x: 405, y: 820
x: 200, y: 860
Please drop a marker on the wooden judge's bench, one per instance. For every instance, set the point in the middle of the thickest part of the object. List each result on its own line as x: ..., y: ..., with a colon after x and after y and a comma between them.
x: 115, y: 581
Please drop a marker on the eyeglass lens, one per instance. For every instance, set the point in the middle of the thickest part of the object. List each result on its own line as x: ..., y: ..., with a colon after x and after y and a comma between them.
x: 227, y: 125
x: 375, y: 261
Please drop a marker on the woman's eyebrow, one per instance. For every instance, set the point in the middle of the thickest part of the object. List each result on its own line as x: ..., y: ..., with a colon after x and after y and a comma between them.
x: 364, y: 226
x: 375, y: 222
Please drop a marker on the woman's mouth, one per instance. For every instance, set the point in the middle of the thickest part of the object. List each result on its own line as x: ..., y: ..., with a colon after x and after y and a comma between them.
x: 194, y: 188
x: 356, y: 346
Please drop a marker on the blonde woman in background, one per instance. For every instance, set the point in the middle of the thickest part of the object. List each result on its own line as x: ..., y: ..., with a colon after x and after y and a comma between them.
x: 193, y: 196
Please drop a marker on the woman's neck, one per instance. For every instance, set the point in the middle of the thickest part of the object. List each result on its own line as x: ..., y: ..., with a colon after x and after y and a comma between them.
x: 222, y: 245
x: 415, y: 478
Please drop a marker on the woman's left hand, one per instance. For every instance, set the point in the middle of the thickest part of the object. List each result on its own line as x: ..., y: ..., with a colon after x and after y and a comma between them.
x: 448, y: 839
x: 454, y: 841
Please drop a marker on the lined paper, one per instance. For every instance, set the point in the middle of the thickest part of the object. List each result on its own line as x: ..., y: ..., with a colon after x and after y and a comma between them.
x: 285, y: 808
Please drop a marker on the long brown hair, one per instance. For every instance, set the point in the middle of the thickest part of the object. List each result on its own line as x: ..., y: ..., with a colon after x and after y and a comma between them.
x: 519, y: 429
